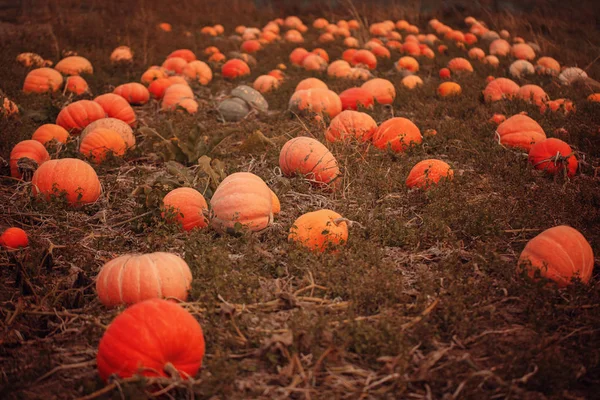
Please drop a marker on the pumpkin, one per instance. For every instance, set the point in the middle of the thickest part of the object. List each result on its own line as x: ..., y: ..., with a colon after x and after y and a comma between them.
x: 210, y: 50
x: 407, y: 63
x: 74, y: 65
x: 175, y: 94
x: 132, y: 278
x: 459, y: 65
x: 158, y: 87
x: 188, y: 105
x: 533, y: 94
x: 134, y: 93
x: 594, y: 98
x: 351, y: 125
x: 251, y: 46
x: 444, y: 73
x: 491, y: 61
x: 266, y: 83
x: 42, y: 80
x: 360, y: 74
x: 198, y: 71
x: 411, y: 81
x: 153, y: 73
x: 560, y: 254
x: 117, y: 125
x: 428, y: 173
x: 49, y: 132
x: 398, y: 134
x: 523, y: 51
x: 165, y: 27
x: 499, y: 89
x: 31, y: 149
x: 241, y: 200
x: 121, y: 54
x: 117, y: 107
x: 79, y: 114
x: 186, y: 54
x: 553, y: 156
x: 298, y: 55
x: 498, y: 119
x: 381, y: 52
x: 382, y: 90
x: 348, y: 54
x: 351, y: 42
x: 356, y: 97
x: 547, y: 66
x: 14, y: 238
x: 98, y: 143
x: 520, y: 131
x: 499, y: 47
x: 276, y: 203
x: 208, y: 31
x: 220, y: 29
x: 411, y: 48
x: 310, y: 158
x: 77, y: 85
x: 319, y: 230
x: 314, y: 62
x: 521, y: 68
x: 310, y: 83
x: 235, y: 68
x: 74, y: 177
x: 364, y: 57
x: 570, y: 75
x: 316, y: 101
x: 476, y: 53
x: 149, y: 336
x: 320, y: 23
x: 449, y: 89
x: 277, y: 73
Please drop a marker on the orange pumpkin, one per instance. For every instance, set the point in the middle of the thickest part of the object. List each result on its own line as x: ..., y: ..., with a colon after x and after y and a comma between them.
x: 411, y: 81
x: 520, y: 131
x: 14, y: 238
x: 153, y: 73
x: 198, y: 71
x: 314, y: 62
x: 356, y: 97
x: 449, y: 89
x: 49, y: 132
x: 411, y: 48
x: 547, y: 66
x: 149, y: 336
x: 498, y: 119
x: 319, y: 230
x: 398, y: 134
x: 560, y: 253
x: 276, y: 203
x: 476, y: 53
x: 79, y: 114
x: 165, y: 27
x: 310, y: 158
x: 242, y: 201
x: 42, y: 80
x: 310, y: 83
x: 134, y: 93
x: 533, y: 94
x: 316, y: 101
x: 553, y: 156
x: 188, y: 105
x: 74, y: 177
x: 351, y: 125
x: 499, y: 47
x: 266, y: 83
x: 523, y: 51
x: 459, y: 64
x: 133, y: 278
x: 175, y: 94
x: 382, y: 90
x: 117, y: 107
x: 117, y: 125
x: 77, y: 85
x: 186, y: 54
x: 251, y: 46
x: 499, y: 89
x: 158, y: 87
x: 298, y: 55
x: 121, y: 54
x: 98, y: 143
x: 31, y: 149
x: 347, y: 55
x: 235, y: 68
x: 74, y: 65
x: 364, y: 57
x: 428, y: 173
x: 407, y: 63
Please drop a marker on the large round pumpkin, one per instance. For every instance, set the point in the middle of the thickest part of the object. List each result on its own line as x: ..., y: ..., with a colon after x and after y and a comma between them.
x: 97, y: 144
x: 175, y: 64
x: 186, y: 54
x: 553, y: 156
x: 398, y: 134
x: 198, y: 71
x: 316, y: 101
x: 188, y: 207
x: 319, y: 230
x: 132, y: 278
x: 31, y: 149
x: 74, y: 177
x: 356, y: 97
x: 77, y: 115
x: 427, y: 173
x: 133, y: 92
x: 42, y: 80
x: 309, y: 158
x: 351, y: 124
x: 520, y: 131
x: 499, y: 89
x: 310, y: 83
x: 48, y: 132
x: 560, y: 253
x: 382, y: 90
x: 117, y: 107
x: 74, y: 65
x: 242, y: 201
x: 175, y: 94
x: 147, y: 337
x: 114, y: 124
x: 235, y: 68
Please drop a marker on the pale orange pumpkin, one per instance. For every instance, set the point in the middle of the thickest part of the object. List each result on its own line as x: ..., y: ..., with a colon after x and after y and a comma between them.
x: 98, y: 143
x: 407, y: 63
x: 42, y: 80
x: 316, y: 101
x: 499, y: 89
x: 135, y: 93
x: 76, y: 178
x: 319, y: 230
x: 398, y: 134
x: 459, y: 65
x: 310, y: 83
x: 74, y: 65
x: 449, y: 89
x: 351, y: 125
x: 187, y: 206
x: 117, y: 125
x: 198, y: 71
x: 76, y: 85
x: 520, y: 131
x: 121, y: 54
x: 266, y: 83
x: 186, y: 54
x: 174, y: 94
x: 428, y: 173
x: 310, y: 158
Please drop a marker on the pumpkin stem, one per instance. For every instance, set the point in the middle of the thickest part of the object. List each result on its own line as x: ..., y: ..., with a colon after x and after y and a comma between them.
x: 350, y: 223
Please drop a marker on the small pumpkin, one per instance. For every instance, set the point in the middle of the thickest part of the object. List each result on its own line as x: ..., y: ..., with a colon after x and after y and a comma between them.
x: 117, y: 125
x: 14, y: 238
x: 407, y: 63
x: 428, y: 173
x: 364, y: 57
x: 460, y: 65
x: 523, y: 51
x: 98, y: 143
x: 74, y: 177
x: 198, y: 71
x: 533, y: 94
x: 241, y: 200
x: 79, y: 114
x: 298, y: 55
x: 547, y: 66
x: 520, y: 131
x: 449, y: 89
x: 174, y: 94
x: 188, y: 207
x: 153, y: 73
x: 560, y: 253
x: 411, y: 81
x: 135, y: 93
x: 521, y: 68
x: 74, y: 65
x: 571, y: 75
x: 77, y: 85
x: 132, y: 278
x: 349, y: 125
x: 319, y: 230
x: 266, y: 83
x: 117, y: 107
x: 382, y: 90
x: 121, y: 54
x: 31, y: 149
x: 42, y: 80
x: 49, y: 132
x: 310, y: 158
x: 235, y: 68
x: 553, y: 156
x: 398, y: 134
x: 499, y: 47
x: 149, y: 336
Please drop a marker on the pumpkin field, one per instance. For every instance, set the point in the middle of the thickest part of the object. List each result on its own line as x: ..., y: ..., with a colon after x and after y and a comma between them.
x: 347, y: 200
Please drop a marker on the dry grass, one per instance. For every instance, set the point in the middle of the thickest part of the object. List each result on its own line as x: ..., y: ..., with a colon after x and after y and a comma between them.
x: 424, y: 301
